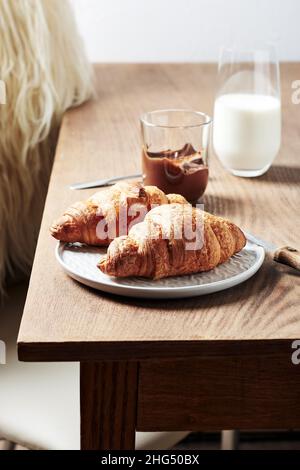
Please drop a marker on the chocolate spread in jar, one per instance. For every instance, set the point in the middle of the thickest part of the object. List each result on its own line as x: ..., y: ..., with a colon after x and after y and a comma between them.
x: 181, y: 171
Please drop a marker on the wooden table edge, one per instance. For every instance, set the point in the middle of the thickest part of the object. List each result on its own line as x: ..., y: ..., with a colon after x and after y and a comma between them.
x: 149, y: 350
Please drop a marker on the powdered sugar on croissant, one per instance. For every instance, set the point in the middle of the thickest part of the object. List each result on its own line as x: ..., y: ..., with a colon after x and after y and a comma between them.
x: 109, y: 213
x: 173, y: 240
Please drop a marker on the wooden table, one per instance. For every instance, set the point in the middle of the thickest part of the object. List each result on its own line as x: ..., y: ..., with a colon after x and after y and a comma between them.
x: 217, y: 362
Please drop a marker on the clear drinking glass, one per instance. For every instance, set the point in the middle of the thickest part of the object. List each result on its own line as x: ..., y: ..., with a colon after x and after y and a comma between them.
x: 175, y: 151
x: 247, y: 112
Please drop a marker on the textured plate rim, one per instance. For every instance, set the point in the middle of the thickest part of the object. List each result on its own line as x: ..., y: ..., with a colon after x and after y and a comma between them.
x: 210, y: 287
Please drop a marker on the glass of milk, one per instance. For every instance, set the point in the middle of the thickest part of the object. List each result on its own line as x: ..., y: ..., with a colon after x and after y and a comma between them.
x: 247, y: 112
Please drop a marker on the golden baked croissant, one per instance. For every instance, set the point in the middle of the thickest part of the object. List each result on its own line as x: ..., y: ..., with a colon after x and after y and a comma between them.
x: 109, y: 213
x: 173, y: 240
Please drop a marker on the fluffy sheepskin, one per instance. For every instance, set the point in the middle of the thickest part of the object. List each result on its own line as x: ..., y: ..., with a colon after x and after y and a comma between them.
x: 45, y: 71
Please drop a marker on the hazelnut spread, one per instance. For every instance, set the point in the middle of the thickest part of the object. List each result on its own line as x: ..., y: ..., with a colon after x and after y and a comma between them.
x: 181, y: 171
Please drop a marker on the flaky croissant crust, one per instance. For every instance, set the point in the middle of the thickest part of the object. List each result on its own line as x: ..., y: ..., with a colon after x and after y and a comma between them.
x: 97, y: 221
x: 151, y: 249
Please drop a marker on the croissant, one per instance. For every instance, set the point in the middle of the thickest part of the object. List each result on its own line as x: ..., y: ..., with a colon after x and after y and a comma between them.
x: 173, y: 240
x: 109, y: 213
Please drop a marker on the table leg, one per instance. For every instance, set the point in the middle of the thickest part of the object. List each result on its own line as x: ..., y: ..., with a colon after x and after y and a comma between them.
x: 230, y: 440
x: 108, y: 404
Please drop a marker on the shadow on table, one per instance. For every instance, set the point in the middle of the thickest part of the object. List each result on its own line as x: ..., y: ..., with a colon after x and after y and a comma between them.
x: 219, y: 205
x: 281, y: 174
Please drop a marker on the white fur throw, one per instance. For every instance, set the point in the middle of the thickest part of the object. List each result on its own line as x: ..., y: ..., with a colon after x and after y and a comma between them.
x: 45, y: 71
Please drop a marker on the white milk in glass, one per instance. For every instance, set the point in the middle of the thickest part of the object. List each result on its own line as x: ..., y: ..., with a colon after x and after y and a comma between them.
x: 247, y: 131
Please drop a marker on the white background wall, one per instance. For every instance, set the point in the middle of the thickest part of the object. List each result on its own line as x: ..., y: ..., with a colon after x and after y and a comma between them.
x: 184, y: 30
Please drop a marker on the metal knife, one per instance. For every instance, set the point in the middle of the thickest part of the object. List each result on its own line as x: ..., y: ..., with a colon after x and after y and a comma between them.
x: 103, y: 182
x: 285, y: 255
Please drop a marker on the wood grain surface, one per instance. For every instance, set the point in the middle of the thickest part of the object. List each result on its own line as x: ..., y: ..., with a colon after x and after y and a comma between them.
x: 221, y: 392
x: 65, y: 321
x: 108, y: 403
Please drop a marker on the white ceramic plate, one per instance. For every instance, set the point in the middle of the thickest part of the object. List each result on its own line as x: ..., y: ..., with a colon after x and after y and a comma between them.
x: 80, y: 262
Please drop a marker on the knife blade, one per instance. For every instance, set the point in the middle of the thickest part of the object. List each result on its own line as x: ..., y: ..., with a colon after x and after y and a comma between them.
x: 286, y: 255
x: 103, y: 182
